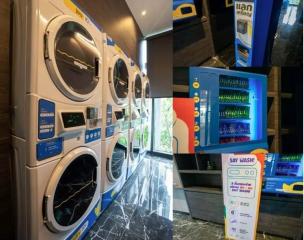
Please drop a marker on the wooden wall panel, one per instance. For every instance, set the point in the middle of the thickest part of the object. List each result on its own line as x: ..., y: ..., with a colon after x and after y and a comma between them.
x: 5, y: 173
x: 115, y: 17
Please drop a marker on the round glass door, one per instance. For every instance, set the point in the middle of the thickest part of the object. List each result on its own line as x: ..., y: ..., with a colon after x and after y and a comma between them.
x: 147, y: 90
x: 137, y: 88
x: 136, y: 143
x: 72, y: 57
x: 75, y: 190
x: 117, y: 160
x: 77, y: 57
x: 120, y: 79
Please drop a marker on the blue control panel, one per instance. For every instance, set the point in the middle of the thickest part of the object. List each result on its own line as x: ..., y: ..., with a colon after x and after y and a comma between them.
x: 92, y: 135
x: 46, y: 119
x: 49, y: 148
x: 283, y: 174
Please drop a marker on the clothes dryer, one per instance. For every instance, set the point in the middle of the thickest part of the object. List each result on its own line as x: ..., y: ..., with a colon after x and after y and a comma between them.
x: 116, y: 88
x: 56, y: 126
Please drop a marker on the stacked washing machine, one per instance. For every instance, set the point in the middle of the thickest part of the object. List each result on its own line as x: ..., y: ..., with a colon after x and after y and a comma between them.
x: 135, y: 131
x: 116, y: 120
x: 79, y: 116
x: 57, y: 96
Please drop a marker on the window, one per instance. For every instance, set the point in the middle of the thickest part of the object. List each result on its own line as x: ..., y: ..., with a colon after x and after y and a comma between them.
x: 162, y: 139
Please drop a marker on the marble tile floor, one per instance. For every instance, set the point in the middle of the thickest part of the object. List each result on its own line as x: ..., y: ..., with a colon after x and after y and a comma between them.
x: 143, y: 208
x: 186, y: 228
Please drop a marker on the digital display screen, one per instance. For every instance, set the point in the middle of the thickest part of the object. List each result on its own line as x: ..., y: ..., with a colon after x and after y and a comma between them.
x: 73, y: 119
x: 119, y: 115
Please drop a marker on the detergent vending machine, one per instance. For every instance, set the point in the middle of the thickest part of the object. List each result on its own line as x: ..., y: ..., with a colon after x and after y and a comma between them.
x: 230, y: 110
x: 283, y: 174
x: 255, y: 27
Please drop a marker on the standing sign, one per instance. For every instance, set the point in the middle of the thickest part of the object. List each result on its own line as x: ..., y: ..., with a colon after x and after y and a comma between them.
x: 242, y: 184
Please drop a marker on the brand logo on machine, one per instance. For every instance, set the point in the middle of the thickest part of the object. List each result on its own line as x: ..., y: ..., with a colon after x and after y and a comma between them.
x: 80, y: 65
x: 244, y: 9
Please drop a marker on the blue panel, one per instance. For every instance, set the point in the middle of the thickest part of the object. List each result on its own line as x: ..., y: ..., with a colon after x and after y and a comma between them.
x: 86, y: 224
x: 92, y: 135
x: 46, y: 119
x: 110, y: 131
x: 255, y: 26
x: 110, y: 42
x: 230, y: 110
x: 283, y: 174
x: 49, y: 148
x: 110, y: 195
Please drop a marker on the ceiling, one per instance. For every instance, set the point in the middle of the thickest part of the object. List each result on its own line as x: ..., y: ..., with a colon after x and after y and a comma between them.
x: 158, y: 16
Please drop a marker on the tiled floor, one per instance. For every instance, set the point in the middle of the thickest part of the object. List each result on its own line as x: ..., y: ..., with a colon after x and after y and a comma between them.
x: 186, y: 228
x: 143, y: 209
x: 288, y: 43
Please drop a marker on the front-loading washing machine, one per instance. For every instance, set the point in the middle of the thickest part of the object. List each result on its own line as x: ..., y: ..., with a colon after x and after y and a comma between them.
x: 56, y: 119
x: 116, y: 88
x: 135, y: 95
x: 135, y: 101
x: 114, y: 166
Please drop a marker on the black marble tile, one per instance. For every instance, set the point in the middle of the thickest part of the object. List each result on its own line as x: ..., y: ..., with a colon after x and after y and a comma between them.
x: 288, y: 43
x: 186, y: 228
x: 143, y: 208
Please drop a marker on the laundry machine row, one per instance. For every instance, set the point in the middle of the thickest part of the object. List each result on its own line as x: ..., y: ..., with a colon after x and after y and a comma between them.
x: 78, y: 115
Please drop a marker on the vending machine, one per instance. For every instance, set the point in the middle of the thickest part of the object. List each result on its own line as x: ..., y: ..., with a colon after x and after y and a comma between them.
x: 255, y: 27
x: 230, y: 110
x: 183, y: 9
x: 283, y: 174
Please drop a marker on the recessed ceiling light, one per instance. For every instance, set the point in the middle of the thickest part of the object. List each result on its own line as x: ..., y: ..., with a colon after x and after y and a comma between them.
x: 143, y: 13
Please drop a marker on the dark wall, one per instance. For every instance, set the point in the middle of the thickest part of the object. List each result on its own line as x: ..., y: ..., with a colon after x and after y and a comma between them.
x: 5, y: 174
x: 159, y: 66
x: 116, y: 20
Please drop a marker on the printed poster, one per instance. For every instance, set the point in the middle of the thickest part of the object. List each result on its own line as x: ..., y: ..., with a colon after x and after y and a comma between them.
x: 244, y: 12
x: 242, y: 184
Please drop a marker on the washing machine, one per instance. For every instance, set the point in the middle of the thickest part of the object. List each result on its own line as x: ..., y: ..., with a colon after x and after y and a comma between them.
x: 115, y: 151
x: 135, y: 101
x: 56, y: 120
x: 145, y: 120
x: 135, y: 95
x: 116, y: 89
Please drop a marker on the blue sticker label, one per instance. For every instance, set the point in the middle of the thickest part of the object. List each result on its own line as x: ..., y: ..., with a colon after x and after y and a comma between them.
x: 110, y: 42
x: 109, y: 131
x: 86, y: 224
x: 47, y: 149
x: 46, y: 119
x: 92, y: 135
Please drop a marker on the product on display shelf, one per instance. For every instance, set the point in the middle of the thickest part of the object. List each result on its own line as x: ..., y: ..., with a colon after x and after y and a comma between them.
x: 230, y: 110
